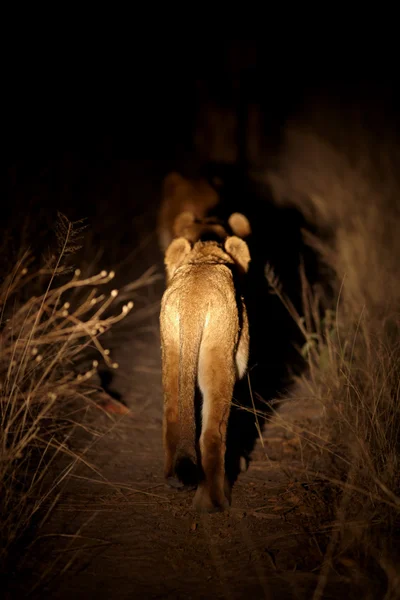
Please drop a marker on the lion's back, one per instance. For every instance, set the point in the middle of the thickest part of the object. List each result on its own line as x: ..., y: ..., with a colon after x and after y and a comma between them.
x: 205, y: 294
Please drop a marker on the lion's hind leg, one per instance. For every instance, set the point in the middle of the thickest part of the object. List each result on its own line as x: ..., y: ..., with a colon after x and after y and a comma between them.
x: 216, y: 380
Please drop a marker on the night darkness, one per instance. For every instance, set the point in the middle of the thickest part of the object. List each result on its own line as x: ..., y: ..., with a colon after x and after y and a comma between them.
x: 94, y: 140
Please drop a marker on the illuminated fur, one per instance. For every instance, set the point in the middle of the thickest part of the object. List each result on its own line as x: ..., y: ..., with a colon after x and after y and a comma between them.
x: 205, y: 341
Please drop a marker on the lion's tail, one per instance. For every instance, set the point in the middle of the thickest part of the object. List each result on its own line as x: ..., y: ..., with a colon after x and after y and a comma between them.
x: 186, y: 468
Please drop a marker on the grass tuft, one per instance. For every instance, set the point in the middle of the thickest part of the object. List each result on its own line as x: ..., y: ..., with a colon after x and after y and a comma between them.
x: 353, y: 347
x: 50, y: 350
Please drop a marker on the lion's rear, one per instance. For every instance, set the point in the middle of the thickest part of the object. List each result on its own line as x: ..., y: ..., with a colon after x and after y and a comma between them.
x: 190, y: 333
x: 200, y: 327
x: 181, y: 331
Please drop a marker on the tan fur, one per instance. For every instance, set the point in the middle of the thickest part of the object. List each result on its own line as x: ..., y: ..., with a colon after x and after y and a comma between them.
x: 180, y: 195
x: 204, y: 340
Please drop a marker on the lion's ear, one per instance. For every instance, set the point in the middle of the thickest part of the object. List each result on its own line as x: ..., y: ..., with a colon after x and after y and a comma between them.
x: 175, y: 255
x: 182, y: 222
x: 239, y: 224
x: 239, y: 251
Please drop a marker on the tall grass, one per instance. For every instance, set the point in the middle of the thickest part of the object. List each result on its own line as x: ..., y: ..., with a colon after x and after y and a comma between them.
x: 346, y: 181
x: 50, y: 348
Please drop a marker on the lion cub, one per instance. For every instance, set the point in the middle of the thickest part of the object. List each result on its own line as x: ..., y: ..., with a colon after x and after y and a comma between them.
x: 179, y: 195
x: 184, y: 210
x: 204, y: 341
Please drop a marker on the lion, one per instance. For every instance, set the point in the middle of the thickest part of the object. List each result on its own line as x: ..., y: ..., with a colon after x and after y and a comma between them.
x: 185, y: 209
x: 180, y: 195
x: 205, y: 342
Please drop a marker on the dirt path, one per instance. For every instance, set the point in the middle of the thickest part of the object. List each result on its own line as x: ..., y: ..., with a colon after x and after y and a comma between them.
x: 133, y: 537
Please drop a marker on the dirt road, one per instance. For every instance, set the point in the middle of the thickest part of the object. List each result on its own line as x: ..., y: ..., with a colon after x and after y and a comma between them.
x: 118, y: 531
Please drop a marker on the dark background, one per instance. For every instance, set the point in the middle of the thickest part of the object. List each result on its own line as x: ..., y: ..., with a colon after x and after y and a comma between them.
x: 93, y: 132
x: 69, y: 115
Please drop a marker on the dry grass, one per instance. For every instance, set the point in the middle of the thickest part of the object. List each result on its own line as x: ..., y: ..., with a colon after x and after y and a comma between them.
x: 348, y: 186
x: 50, y: 348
